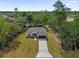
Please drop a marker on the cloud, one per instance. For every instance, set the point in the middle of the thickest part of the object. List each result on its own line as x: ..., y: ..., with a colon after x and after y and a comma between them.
x: 69, y: 4
x: 73, y: 1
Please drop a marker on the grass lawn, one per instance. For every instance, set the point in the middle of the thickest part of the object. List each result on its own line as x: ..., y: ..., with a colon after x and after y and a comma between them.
x: 28, y: 48
x: 53, y: 46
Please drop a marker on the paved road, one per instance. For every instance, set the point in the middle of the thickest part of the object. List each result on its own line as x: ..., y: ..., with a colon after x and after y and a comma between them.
x: 43, y: 50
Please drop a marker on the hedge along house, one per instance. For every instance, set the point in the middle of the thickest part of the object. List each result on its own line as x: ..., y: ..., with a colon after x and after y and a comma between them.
x: 37, y: 32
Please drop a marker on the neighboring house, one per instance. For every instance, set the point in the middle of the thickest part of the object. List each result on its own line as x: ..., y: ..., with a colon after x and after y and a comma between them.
x: 70, y: 18
x: 38, y: 32
x: 8, y: 18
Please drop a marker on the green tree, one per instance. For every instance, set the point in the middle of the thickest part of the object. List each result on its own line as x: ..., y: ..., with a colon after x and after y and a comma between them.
x: 44, y: 16
x: 67, y: 11
x: 16, y: 13
x: 59, y: 13
x: 68, y: 31
x: 23, y: 14
x: 60, y: 10
x: 7, y: 32
x: 5, y: 28
x: 59, y: 6
x: 30, y: 18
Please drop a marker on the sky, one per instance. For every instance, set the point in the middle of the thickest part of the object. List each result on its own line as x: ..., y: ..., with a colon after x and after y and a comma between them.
x: 35, y: 5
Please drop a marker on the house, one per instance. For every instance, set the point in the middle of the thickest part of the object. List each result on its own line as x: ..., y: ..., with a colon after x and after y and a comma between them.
x: 8, y: 18
x: 37, y: 32
x: 70, y: 18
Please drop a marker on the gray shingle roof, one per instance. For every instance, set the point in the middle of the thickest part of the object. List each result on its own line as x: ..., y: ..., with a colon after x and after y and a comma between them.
x: 38, y: 30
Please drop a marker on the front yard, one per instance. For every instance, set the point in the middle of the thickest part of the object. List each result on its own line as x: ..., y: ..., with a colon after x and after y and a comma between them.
x: 28, y: 48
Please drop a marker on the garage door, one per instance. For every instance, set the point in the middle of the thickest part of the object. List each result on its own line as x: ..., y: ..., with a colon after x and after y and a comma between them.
x: 42, y: 37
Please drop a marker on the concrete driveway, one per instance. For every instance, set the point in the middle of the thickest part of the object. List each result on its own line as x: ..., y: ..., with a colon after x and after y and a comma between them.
x: 43, y: 50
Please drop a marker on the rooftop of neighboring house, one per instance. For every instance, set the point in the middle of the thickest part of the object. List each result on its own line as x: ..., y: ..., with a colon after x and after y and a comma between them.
x: 70, y: 18
x: 8, y: 18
